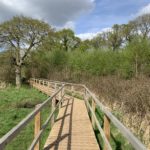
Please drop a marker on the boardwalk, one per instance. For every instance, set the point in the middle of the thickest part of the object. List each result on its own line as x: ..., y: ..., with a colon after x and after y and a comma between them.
x: 45, y: 89
x: 72, y: 129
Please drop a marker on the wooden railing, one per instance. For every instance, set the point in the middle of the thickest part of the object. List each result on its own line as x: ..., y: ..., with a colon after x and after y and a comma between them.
x: 91, y: 102
x: 7, y: 138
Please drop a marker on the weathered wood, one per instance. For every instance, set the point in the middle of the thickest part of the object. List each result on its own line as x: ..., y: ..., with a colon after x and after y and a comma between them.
x: 62, y: 93
x: 126, y: 132
x: 16, y: 130
x: 43, y: 128
x: 55, y: 86
x: 72, y: 91
x: 49, y: 84
x: 72, y: 130
x: 86, y: 99
x: 8, y: 137
x: 92, y: 117
x: 106, y: 130
x: 98, y: 126
x: 37, y: 127
x: 130, y: 137
x: 53, y: 108
x: 60, y: 96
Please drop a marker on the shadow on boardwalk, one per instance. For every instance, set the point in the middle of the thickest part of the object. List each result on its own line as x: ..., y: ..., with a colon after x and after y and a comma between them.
x: 60, y: 137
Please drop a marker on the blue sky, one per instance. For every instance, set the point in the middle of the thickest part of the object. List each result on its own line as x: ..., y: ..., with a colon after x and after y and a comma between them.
x: 85, y: 17
x: 106, y: 13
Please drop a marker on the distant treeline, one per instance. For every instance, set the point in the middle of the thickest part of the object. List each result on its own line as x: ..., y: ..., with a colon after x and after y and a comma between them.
x: 36, y: 49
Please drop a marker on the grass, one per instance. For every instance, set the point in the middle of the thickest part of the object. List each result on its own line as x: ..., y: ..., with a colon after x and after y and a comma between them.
x: 14, y: 106
x: 117, y: 141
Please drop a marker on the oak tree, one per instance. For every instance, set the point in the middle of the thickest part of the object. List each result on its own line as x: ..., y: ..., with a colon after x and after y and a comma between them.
x: 22, y: 35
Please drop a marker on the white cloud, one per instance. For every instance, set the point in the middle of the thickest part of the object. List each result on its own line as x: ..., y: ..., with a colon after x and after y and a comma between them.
x: 67, y: 25
x: 90, y: 35
x: 85, y: 36
x: 55, y: 12
x: 144, y: 10
x: 70, y: 25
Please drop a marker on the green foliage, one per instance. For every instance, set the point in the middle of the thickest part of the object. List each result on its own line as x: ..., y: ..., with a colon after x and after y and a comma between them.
x: 7, y: 72
x: 14, y: 106
x: 138, y: 54
x: 58, y: 58
x: 121, y: 51
x: 21, y: 35
x: 96, y: 62
x: 67, y: 40
x: 117, y: 141
x: 44, y: 62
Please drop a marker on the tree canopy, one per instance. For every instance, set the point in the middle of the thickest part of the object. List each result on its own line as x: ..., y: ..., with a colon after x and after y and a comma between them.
x: 21, y: 35
x: 123, y: 50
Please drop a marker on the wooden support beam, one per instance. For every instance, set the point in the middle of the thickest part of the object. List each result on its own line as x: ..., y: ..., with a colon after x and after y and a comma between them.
x: 86, y: 99
x: 62, y: 93
x: 55, y: 87
x: 72, y: 91
x: 72, y: 88
x: 49, y: 84
x: 52, y: 109
x: 106, y: 130
x: 37, y: 127
x: 94, y: 108
x: 59, y: 99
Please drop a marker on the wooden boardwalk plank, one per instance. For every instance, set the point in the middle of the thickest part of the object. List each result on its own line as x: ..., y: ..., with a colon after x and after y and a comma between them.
x: 72, y: 129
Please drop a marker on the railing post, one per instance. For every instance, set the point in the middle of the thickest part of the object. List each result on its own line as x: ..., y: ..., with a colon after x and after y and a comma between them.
x: 48, y: 84
x: 55, y: 87
x: 37, y: 127
x: 52, y: 109
x: 93, y: 107
x: 62, y: 93
x: 106, y: 129
x: 86, y: 99
x: 56, y: 90
x: 72, y: 90
x: 60, y: 99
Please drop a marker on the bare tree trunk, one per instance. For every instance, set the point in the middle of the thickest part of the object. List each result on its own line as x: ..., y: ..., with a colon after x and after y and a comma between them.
x: 18, y: 76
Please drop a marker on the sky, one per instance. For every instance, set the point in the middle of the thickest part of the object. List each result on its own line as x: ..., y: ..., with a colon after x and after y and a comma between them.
x: 85, y: 17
